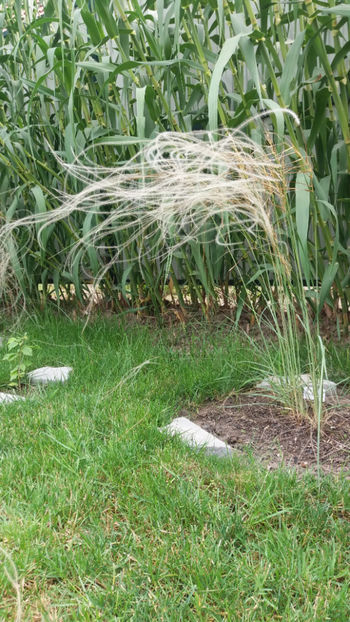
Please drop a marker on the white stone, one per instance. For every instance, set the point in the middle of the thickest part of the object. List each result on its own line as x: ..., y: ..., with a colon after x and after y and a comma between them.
x: 329, y: 388
x: 193, y: 435
x: 44, y: 375
x: 6, y: 398
x: 308, y: 394
x: 269, y: 382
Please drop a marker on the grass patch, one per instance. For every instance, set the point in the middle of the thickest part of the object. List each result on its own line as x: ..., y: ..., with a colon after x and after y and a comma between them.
x: 105, y: 519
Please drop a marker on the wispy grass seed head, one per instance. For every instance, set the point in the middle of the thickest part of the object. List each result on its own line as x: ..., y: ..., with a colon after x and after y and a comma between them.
x: 176, y: 190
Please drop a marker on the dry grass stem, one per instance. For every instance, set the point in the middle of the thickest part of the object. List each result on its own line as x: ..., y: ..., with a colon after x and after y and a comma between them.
x: 13, y: 579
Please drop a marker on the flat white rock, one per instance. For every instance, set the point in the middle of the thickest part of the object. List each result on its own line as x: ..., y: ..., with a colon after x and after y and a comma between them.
x: 269, y: 382
x: 329, y: 388
x: 193, y: 435
x: 44, y: 375
x: 6, y: 398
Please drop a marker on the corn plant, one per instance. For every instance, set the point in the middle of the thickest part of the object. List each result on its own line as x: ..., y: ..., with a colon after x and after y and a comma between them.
x: 98, y: 79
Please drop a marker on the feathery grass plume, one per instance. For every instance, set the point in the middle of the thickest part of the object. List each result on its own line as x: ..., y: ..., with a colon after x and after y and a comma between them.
x: 10, y: 291
x: 174, y: 191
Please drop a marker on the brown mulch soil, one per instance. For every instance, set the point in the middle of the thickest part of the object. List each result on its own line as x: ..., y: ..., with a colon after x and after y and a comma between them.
x: 276, y: 437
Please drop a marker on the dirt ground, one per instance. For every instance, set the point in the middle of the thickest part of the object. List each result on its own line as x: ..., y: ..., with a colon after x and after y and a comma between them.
x: 274, y: 436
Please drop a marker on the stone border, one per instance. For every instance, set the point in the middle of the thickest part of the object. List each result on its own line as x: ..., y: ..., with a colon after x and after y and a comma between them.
x: 196, y: 437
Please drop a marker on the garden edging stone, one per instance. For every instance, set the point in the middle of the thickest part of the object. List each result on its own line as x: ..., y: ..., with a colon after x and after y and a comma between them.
x: 7, y: 398
x: 44, y: 375
x: 196, y: 437
x: 329, y: 387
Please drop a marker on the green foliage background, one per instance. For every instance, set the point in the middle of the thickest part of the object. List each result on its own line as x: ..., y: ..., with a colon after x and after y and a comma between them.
x: 103, y: 76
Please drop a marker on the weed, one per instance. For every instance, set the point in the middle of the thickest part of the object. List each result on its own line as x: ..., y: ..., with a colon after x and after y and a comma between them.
x: 19, y: 354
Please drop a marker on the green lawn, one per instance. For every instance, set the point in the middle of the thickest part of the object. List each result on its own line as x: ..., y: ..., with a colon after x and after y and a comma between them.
x: 105, y: 519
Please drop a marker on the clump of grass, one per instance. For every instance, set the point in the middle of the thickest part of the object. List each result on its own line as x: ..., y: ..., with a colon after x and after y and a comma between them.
x: 182, y: 190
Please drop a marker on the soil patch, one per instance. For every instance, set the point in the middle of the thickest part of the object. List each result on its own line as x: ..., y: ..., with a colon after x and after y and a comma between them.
x: 276, y: 437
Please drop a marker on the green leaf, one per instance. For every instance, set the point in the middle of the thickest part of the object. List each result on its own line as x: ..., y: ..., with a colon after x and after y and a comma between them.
x: 91, y: 250
x: 221, y: 18
x: 9, y: 356
x: 40, y: 208
x: 93, y: 27
x: 341, y: 54
x: 249, y: 54
x: 12, y: 343
x: 140, y: 111
x: 279, y: 116
x: 319, y: 117
x: 27, y: 351
x: 228, y: 49
x: 290, y: 68
x: 327, y: 282
x: 339, y: 9
x: 302, y: 211
x: 100, y: 66
x: 120, y: 140
x: 107, y: 17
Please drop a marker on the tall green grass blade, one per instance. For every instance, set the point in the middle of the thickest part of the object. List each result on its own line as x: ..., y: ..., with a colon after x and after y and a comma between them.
x: 228, y: 49
x: 290, y: 69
